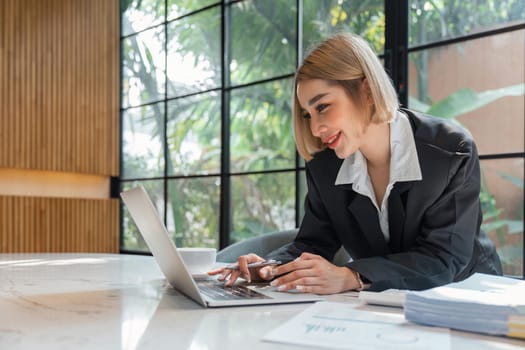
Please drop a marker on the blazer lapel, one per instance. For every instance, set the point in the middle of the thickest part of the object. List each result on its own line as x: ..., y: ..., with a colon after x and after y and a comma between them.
x: 397, y: 214
x: 366, y: 217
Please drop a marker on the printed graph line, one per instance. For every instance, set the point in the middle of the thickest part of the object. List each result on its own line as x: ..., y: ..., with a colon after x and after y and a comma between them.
x: 329, y: 318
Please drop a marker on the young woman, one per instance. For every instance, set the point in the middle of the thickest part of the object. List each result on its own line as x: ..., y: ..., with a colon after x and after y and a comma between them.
x: 398, y: 189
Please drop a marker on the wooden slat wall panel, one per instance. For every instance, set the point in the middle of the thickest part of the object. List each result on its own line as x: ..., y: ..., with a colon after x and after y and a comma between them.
x: 59, y: 103
x: 39, y: 224
x: 59, y: 80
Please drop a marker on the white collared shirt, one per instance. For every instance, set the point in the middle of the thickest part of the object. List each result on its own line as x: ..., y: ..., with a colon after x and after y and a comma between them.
x: 404, y: 166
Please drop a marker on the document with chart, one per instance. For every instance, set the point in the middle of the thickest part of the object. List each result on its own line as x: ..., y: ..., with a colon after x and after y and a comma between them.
x: 344, y: 326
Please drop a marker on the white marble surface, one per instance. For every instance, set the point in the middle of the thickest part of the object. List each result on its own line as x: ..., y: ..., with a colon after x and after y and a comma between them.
x: 93, y: 301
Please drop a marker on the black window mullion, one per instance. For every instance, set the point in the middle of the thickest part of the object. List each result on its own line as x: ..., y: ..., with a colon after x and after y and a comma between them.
x: 165, y: 119
x: 299, y: 57
x: 396, y: 46
x: 225, y: 217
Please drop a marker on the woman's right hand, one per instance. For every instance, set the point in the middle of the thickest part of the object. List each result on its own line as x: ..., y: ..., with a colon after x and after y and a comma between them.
x: 258, y: 273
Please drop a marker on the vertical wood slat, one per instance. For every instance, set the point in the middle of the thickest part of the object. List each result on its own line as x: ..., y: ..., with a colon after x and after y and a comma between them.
x: 40, y: 224
x: 58, y: 109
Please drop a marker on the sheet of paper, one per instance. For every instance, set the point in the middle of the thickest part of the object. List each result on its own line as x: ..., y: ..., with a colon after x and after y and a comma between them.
x: 389, y: 297
x: 478, y: 290
x: 345, y: 326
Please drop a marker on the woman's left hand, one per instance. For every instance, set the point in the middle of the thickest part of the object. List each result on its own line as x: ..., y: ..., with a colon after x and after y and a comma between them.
x: 312, y: 273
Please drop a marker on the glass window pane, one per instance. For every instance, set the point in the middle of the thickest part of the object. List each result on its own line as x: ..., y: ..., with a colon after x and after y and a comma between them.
x: 193, y: 211
x: 143, y: 67
x: 432, y: 21
x: 262, y: 203
x: 142, y: 144
x: 131, y: 236
x: 261, y: 127
x: 194, y: 53
x: 502, y: 203
x: 479, y: 83
x: 263, y: 40
x: 194, y: 135
x: 177, y: 8
x: 140, y: 14
x: 365, y: 18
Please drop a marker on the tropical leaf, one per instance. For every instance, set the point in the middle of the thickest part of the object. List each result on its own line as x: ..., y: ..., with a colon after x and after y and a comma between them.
x: 512, y: 179
x: 515, y: 226
x: 491, y: 214
x: 467, y: 100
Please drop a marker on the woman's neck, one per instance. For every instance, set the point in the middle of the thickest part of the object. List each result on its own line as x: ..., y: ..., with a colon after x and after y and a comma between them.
x: 376, y: 145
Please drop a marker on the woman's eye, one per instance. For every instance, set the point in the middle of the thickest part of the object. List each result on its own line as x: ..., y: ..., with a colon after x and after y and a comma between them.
x: 306, y: 115
x: 321, y: 107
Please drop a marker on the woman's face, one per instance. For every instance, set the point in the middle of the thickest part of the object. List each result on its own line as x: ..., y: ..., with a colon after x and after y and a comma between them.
x: 334, y: 117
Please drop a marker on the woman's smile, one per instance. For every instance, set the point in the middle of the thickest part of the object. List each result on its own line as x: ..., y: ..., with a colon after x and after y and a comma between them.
x: 333, y: 140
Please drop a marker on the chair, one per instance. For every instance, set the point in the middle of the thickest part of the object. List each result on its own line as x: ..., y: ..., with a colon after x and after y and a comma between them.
x: 265, y: 243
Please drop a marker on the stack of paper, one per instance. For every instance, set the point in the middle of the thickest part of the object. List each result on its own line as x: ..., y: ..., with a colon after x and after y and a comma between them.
x: 481, y: 303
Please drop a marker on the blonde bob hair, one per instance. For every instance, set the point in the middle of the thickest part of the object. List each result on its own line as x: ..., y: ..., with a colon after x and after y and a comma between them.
x: 347, y: 60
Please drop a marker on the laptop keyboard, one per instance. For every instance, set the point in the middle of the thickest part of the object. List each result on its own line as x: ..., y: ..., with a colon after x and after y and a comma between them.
x: 217, y: 291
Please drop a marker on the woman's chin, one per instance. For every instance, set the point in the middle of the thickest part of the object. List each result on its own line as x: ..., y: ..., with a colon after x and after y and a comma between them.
x: 341, y: 154
x: 344, y: 152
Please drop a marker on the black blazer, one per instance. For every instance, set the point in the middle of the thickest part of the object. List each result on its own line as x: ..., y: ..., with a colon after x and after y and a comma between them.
x: 435, y: 235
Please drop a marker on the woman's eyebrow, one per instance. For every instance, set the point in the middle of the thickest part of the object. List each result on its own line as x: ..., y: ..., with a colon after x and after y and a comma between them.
x: 316, y: 98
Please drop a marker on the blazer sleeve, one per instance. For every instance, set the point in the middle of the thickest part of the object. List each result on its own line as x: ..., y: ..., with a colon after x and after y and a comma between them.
x: 445, y: 243
x: 316, y: 234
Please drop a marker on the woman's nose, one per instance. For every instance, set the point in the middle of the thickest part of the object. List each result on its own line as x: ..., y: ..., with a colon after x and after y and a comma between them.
x: 316, y: 127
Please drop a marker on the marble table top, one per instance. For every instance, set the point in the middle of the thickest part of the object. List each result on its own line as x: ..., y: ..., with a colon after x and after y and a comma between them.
x: 105, y: 301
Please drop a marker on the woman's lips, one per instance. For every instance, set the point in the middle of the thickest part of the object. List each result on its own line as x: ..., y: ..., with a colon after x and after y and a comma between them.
x: 331, y: 141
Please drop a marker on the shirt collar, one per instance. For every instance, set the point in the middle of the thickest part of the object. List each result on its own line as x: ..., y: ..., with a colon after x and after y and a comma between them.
x: 404, y: 162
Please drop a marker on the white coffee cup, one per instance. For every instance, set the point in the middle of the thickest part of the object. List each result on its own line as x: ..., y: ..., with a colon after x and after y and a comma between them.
x: 198, y: 260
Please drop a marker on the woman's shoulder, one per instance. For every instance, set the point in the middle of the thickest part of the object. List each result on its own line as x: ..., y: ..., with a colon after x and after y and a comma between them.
x: 441, y: 133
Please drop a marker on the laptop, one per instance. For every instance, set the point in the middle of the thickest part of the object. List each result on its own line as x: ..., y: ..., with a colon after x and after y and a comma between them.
x: 206, y: 292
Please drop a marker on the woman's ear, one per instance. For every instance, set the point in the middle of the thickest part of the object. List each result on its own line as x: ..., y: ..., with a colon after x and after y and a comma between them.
x: 367, y: 92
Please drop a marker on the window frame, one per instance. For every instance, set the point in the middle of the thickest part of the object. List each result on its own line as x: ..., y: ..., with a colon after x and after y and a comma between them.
x: 396, y: 54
